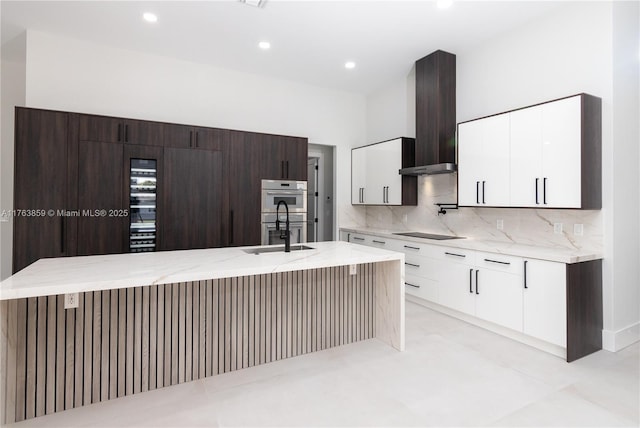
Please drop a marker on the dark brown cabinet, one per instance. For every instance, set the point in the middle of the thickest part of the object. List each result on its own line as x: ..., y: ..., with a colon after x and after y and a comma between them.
x: 207, y: 193
x: 191, y: 199
x: 185, y: 137
x: 102, y: 224
x: 246, y: 165
x: 284, y: 158
x: 116, y: 130
x: 41, y: 170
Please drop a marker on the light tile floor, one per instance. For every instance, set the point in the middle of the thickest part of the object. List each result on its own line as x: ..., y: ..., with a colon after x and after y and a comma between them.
x: 452, y: 374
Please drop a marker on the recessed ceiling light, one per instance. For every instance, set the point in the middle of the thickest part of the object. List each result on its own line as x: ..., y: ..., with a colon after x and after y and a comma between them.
x: 443, y: 4
x: 349, y: 65
x: 150, y: 17
x: 264, y: 45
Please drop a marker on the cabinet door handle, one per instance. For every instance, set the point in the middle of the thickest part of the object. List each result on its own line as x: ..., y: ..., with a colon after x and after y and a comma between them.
x: 411, y: 285
x: 483, y: 193
x: 384, y: 198
x: 126, y: 133
x: 477, y: 192
x: 412, y: 248
x: 471, y: 281
x: 454, y: 254
x: 544, y: 190
x: 230, y: 227
x: 119, y: 132
x: 62, y: 246
x: 197, y: 135
x: 525, y: 274
x: 356, y: 238
x: 379, y: 242
x: 477, y: 288
x: 287, y: 169
x: 497, y: 261
x: 411, y: 264
x: 190, y: 138
x: 537, y: 200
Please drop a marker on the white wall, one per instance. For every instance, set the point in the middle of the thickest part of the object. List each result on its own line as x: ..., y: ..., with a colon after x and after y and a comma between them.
x: 73, y: 75
x: 13, y: 94
x: 587, y: 47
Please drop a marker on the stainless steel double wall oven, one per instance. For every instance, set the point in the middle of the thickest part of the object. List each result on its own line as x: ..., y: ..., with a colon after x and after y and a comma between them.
x: 294, y: 193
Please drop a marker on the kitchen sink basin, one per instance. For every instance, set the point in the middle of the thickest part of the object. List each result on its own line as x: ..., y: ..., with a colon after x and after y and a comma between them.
x: 428, y: 235
x: 278, y: 249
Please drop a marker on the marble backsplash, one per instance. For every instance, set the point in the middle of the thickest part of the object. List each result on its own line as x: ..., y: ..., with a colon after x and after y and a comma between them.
x: 520, y: 225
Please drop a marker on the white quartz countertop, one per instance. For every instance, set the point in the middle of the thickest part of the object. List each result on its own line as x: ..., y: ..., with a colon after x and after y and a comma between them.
x: 554, y: 254
x: 91, y: 273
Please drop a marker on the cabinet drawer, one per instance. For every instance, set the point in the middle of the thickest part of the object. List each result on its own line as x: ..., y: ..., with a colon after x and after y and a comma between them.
x: 499, y: 262
x: 385, y: 243
x: 420, y: 266
x: 357, y: 238
x: 421, y: 287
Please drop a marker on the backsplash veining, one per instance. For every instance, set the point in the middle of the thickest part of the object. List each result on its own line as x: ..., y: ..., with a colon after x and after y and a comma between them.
x: 522, y: 226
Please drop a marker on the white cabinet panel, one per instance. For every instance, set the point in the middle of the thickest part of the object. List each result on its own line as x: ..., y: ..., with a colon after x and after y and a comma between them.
x: 526, y: 157
x: 358, y: 176
x: 483, y: 162
x: 455, y: 287
x: 425, y: 288
x: 499, y: 298
x: 561, y: 151
x: 545, y: 301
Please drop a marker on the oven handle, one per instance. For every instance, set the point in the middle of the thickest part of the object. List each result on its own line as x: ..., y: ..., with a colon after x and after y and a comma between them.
x: 285, y: 192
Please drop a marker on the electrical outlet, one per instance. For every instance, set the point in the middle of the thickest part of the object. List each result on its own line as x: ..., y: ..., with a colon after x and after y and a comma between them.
x: 500, y: 224
x: 352, y: 269
x: 71, y: 300
x: 578, y: 229
x: 557, y: 228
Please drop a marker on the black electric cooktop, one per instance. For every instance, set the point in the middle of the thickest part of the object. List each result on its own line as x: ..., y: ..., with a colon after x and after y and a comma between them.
x: 428, y: 235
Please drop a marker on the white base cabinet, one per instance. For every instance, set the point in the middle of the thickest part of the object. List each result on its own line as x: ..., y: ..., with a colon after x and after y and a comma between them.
x: 545, y: 301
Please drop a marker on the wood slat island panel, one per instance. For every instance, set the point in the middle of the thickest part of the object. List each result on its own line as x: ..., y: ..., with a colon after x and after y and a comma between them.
x: 130, y: 340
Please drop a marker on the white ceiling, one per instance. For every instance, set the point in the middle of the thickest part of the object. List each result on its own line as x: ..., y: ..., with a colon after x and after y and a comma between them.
x: 311, y: 40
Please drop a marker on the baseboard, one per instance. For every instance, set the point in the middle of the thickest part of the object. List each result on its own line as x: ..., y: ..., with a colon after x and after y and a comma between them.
x: 614, y: 341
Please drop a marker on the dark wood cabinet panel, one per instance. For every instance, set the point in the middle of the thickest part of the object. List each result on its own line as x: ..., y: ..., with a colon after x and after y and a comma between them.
x: 117, y: 130
x: 40, y: 184
x: 192, y: 199
x: 246, y: 165
x: 143, y: 132
x: 192, y: 137
x: 295, y: 153
x: 101, y: 227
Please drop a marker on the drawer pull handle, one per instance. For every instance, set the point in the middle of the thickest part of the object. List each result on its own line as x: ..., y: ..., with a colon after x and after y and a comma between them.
x: 411, y: 285
x: 379, y: 242
x: 497, y: 261
x: 412, y: 248
x: 412, y: 265
x: 454, y: 254
x: 358, y: 239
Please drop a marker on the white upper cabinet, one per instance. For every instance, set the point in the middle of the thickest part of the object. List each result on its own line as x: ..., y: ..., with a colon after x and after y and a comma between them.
x: 375, y: 179
x: 358, y: 176
x: 483, y: 162
x: 544, y: 156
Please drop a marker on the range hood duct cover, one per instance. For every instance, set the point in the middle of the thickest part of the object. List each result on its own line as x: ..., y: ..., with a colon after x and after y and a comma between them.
x: 435, y: 115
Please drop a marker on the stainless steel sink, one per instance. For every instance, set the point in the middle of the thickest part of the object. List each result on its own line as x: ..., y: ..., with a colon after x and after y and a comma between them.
x: 428, y: 235
x: 278, y: 249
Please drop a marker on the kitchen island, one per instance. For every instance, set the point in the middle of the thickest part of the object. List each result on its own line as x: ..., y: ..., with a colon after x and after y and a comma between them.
x: 148, y: 320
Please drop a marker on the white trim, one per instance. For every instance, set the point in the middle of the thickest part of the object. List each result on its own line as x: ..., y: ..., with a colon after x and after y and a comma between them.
x: 616, y: 340
x: 503, y: 331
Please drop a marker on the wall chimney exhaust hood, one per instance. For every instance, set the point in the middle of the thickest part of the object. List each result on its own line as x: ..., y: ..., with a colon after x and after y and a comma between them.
x: 435, y: 115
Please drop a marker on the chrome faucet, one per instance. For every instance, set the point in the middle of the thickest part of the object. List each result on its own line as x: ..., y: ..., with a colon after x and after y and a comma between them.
x: 286, y: 234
